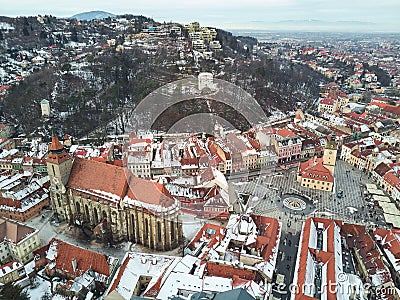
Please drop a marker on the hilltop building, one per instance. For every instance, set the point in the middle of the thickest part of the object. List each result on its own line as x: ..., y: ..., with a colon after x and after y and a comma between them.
x: 45, y: 106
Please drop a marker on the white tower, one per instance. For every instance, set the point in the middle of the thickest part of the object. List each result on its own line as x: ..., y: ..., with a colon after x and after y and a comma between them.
x: 206, y: 81
x: 45, y: 105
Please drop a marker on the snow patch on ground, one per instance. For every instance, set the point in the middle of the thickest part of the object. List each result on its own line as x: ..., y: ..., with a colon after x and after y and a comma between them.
x: 43, y: 287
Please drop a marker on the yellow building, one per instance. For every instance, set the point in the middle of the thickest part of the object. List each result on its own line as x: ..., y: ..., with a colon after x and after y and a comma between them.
x: 327, y: 105
x: 314, y: 175
x: 318, y: 173
x: 18, y: 241
x: 11, y: 272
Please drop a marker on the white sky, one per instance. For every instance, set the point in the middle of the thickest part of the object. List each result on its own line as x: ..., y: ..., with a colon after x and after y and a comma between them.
x: 256, y: 14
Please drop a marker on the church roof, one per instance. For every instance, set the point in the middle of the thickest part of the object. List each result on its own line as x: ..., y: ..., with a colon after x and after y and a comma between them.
x: 116, y: 183
x: 148, y: 191
x: 92, y: 175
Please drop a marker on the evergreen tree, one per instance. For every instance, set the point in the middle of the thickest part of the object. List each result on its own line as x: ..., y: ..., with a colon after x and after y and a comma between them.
x: 15, y: 292
x: 25, y: 31
x: 74, y: 35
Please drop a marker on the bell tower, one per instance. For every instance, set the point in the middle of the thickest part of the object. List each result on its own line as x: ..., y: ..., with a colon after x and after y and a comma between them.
x: 330, y: 153
x: 59, y: 165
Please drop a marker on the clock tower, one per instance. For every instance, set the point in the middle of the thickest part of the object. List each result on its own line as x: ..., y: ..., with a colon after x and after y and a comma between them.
x: 330, y: 153
x: 59, y: 165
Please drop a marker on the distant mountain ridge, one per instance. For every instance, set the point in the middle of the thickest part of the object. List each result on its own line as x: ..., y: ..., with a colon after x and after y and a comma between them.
x: 324, y: 23
x: 93, y: 15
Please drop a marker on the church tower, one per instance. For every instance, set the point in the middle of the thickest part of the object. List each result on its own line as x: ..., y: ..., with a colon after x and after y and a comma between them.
x: 59, y: 165
x: 330, y: 153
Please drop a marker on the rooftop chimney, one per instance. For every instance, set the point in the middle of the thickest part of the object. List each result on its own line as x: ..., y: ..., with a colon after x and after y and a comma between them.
x: 74, y: 264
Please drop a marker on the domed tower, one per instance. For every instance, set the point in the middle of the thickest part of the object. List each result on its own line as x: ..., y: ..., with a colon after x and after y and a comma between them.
x: 59, y: 165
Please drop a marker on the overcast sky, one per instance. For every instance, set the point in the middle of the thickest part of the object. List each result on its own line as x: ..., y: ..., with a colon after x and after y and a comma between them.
x: 228, y: 14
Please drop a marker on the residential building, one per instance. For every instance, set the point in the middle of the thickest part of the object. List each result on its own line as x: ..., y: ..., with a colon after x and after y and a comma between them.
x: 389, y: 243
x: 331, y: 254
x: 11, y: 272
x: 17, y: 241
x: 327, y: 105
x: 89, y: 271
x: 139, y: 157
x: 287, y: 145
x: 23, y: 195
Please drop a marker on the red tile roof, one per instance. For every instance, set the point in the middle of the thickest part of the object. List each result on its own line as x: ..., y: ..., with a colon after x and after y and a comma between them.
x: 149, y: 192
x: 327, y: 101
x: 392, y: 179
x: 227, y: 271
x: 314, y: 169
x: 121, y: 271
x: 13, y: 231
x: 358, y: 238
x: 55, y: 144
x: 393, y: 110
x: 204, y: 234
x: 285, y: 132
x: 325, y: 257
x: 57, y: 153
x: 86, y: 259
x: 269, y: 230
x: 382, y: 169
x: 92, y: 175
x: 100, y: 178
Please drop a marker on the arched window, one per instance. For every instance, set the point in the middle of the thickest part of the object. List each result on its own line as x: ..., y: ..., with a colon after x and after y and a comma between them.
x: 87, y: 211
x: 114, y: 217
x: 96, y: 217
x: 172, y: 225
x: 133, y: 224
x: 159, y: 231
x: 78, y: 207
x: 146, y: 229
x: 58, y: 200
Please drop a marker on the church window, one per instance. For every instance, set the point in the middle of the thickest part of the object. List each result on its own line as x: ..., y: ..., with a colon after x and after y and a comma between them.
x: 159, y: 231
x: 172, y: 225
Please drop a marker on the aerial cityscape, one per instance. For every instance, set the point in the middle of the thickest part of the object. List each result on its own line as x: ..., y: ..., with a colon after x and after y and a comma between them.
x: 201, y: 156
